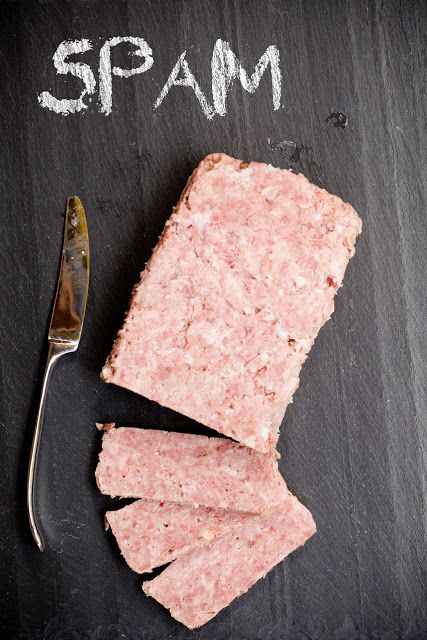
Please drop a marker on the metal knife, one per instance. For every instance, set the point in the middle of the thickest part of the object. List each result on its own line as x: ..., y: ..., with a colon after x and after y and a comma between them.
x: 65, y: 327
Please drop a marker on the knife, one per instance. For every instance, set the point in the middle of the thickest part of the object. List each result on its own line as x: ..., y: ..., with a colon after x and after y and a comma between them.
x: 65, y: 327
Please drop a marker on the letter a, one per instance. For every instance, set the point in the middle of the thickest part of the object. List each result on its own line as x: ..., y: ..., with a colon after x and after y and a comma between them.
x: 188, y: 80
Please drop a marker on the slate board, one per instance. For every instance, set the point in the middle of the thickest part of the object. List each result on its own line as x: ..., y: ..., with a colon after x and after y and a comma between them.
x: 354, y: 441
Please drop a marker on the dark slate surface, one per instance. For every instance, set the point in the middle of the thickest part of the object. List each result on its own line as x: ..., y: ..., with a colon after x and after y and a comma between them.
x: 354, y: 441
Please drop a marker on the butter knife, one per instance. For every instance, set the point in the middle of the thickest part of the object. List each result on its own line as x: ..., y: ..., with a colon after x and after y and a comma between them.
x: 65, y: 327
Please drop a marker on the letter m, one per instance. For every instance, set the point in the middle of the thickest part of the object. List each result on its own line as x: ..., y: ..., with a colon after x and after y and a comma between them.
x: 226, y: 67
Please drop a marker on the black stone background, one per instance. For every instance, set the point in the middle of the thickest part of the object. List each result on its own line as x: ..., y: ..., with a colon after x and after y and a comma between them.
x: 353, y: 443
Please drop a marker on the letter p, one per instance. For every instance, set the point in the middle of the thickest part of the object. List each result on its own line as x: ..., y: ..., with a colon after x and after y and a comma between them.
x: 106, y: 72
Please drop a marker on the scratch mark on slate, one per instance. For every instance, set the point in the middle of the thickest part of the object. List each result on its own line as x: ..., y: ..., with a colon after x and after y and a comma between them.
x: 283, y: 144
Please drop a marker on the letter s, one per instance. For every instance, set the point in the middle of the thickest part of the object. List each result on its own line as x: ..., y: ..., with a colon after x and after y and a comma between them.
x: 78, y: 69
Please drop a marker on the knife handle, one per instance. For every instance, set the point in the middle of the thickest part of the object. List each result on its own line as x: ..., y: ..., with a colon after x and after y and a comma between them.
x: 56, y: 350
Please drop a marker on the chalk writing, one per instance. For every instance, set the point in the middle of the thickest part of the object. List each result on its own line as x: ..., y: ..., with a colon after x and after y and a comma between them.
x: 78, y: 69
x: 188, y: 80
x: 106, y: 72
x: 225, y: 67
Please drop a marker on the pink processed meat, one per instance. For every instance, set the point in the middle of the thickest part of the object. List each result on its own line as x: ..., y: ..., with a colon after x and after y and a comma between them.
x: 189, y: 469
x: 151, y: 533
x: 233, y: 296
x: 202, y: 582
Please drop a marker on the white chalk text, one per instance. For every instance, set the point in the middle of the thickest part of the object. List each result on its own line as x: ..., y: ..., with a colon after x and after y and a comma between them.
x: 225, y: 67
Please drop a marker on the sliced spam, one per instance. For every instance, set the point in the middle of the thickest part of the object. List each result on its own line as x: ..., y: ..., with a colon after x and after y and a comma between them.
x: 188, y: 469
x: 202, y: 582
x: 151, y: 533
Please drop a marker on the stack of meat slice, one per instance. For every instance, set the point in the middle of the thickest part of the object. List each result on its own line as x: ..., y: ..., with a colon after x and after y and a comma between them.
x: 219, y: 326
x: 219, y: 510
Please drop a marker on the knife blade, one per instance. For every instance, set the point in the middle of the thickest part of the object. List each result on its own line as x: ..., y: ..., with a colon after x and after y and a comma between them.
x: 65, y: 328
x: 70, y: 301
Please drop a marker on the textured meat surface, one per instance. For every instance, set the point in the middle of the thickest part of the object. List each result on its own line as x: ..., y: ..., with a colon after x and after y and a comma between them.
x: 191, y: 469
x: 229, y: 304
x: 199, y: 584
x: 151, y: 533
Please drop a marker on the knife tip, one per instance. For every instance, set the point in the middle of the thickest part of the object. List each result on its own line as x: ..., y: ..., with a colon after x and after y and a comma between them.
x: 74, y: 201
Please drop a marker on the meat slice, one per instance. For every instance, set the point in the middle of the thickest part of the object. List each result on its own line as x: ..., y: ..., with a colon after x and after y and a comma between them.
x: 235, y: 292
x: 151, y: 533
x: 190, y: 469
x: 202, y: 582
